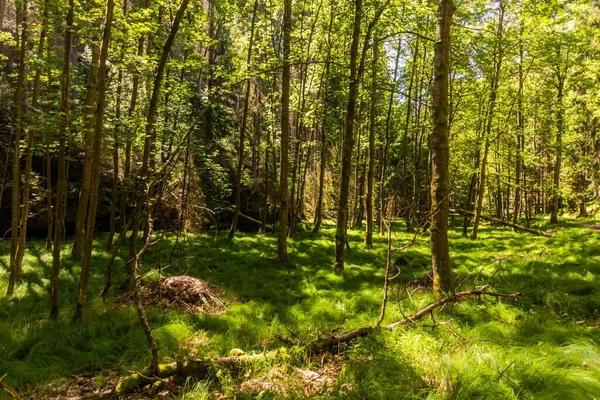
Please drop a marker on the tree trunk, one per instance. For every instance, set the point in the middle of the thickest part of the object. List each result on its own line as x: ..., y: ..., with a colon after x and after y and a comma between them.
x: 386, y: 146
x: 372, y: 131
x: 142, y: 195
x: 408, y: 213
x: 282, y: 254
x: 348, y: 144
x: 324, y: 127
x: 115, y: 186
x: 520, y: 132
x: 16, y: 159
x: 559, y: 135
x: 30, y: 143
x: 97, y: 160
x: 238, y: 178
x: 498, y: 56
x: 440, y: 191
x: 61, y: 189
x: 84, y: 194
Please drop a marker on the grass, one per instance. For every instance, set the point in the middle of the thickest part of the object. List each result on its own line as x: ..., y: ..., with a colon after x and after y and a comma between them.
x: 533, y: 349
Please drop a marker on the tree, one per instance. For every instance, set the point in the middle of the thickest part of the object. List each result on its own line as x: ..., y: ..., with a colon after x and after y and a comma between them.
x: 282, y: 254
x: 61, y: 188
x: 15, y: 271
x: 440, y: 191
x: 238, y: 179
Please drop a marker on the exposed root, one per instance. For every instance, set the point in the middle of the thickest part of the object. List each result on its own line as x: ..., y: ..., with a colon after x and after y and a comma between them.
x: 191, y: 294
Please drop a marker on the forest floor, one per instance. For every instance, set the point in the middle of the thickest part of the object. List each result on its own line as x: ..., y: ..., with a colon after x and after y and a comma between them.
x: 545, y: 346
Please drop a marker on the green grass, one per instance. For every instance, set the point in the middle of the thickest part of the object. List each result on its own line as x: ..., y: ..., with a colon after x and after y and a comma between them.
x: 531, y: 349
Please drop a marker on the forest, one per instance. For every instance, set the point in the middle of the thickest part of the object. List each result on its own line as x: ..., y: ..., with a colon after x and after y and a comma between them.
x: 352, y: 199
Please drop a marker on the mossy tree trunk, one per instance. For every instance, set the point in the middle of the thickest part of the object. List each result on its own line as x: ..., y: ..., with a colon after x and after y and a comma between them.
x: 440, y: 191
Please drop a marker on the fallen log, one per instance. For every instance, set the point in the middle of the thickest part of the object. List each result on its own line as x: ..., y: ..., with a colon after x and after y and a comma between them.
x: 201, y: 368
x: 500, y: 222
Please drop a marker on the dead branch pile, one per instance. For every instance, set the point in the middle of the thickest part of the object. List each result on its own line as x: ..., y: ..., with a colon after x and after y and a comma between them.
x: 191, y: 294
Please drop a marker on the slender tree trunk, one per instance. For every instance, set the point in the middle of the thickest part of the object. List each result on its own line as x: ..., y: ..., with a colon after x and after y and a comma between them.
x: 386, y: 146
x: 356, y: 71
x: 238, y: 178
x: 340, y: 235
x: 61, y: 189
x: 30, y: 143
x: 520, y: 133
x: 324, y: 127
x: 282, y: 254
x: 440, y: 190
x: 142, y: 196
x: 499, y: 53
x: 48, y: 194
x: 16, y: 159
x: 115, y: 187
x: 559, y: 135
x: 84, y: 194
x: 405, y: 195
x: 358, y: 178
x: 95, y: 183
x: 372, y: 131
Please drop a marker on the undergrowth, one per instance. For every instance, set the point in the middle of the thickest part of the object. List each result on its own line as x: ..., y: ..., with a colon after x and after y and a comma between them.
x: 544, y: 346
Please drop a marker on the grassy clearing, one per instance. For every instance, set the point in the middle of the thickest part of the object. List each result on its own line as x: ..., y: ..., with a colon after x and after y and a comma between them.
x: 545, y: 346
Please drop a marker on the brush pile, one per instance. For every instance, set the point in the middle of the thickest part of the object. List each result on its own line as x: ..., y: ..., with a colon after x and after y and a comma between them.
x: 191, y: 294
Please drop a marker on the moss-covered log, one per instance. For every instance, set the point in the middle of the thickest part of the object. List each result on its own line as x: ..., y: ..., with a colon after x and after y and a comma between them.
x: 199, y: 369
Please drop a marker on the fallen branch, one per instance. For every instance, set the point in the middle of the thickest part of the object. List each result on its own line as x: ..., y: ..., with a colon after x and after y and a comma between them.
x: 8, y: 389
x: 335, y: 340
x: 199, y: 369
x: 500, y: 222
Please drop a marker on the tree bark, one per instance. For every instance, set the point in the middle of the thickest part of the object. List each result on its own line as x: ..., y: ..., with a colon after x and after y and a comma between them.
x: 84, y: 194
x: 282, y: 254
x: 324, y: 127
x: 97, y: 160
x: 61, y: 189
x: 440, y: 191
x: 372, y: 131
x: 560, y: 127
x: 16, y: 159
x: 30, y: 144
